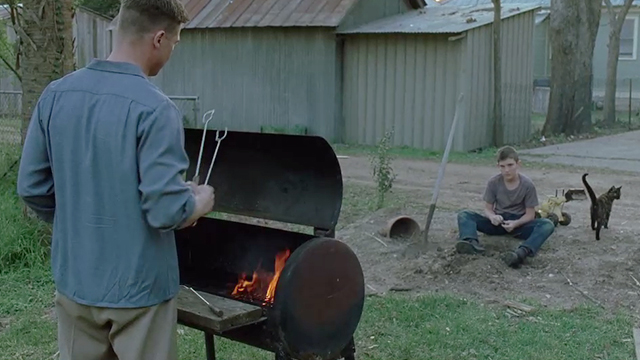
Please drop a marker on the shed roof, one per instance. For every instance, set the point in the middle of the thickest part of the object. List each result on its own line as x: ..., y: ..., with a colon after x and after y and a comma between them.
x: 255, y: 13
x: 543, y: 3
x: 208, y: 14
x: 541, y: 16
x: 435, y: 20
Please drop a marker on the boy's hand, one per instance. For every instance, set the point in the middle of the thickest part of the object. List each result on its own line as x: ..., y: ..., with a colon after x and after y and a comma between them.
x: 509, y: 225
x: 496, y: 220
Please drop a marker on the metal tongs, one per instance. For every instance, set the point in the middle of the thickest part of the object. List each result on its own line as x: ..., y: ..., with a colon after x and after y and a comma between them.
x: 205, y: 119
x: 215, y: 310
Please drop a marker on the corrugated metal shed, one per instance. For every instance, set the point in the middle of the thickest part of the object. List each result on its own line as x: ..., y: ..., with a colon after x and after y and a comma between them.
x: 278, y: 78
x: 410, y: 82
x: 209, y: 14
x: 438, y: 20
x: 541, y: 16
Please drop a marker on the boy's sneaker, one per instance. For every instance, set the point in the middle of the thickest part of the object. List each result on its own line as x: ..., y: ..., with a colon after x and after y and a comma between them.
x: 469, y: 246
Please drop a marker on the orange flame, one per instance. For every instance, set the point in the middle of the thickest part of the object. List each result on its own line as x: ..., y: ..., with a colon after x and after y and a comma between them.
x: 262, y: 286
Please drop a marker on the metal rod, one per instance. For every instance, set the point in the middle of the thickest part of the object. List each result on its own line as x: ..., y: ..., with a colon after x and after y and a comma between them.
x: 215, y: 310
x: 215, y: 154
x: 443, y: 164
x: 209, y: 346
x: 205, y: 119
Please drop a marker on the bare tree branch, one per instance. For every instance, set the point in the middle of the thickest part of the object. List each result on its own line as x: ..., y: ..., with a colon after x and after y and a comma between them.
x: 609, y: 6
x: 11, y: 68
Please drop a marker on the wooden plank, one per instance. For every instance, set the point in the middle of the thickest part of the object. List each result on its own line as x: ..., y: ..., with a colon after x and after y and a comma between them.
x: 519, y: 306
x: 192, y: 311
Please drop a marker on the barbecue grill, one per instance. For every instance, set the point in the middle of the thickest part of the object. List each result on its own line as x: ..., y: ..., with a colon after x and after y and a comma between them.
x: 297, y: 294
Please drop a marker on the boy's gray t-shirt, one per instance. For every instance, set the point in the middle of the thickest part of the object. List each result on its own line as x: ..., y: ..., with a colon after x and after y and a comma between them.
x: 511, y: 201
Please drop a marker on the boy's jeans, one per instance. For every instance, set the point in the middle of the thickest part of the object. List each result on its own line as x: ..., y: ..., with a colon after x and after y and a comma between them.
x: 535, y: 232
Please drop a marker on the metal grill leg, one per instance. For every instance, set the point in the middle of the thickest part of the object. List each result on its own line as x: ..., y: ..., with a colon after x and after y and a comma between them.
x: 210, y: 346
x: 349, y: 352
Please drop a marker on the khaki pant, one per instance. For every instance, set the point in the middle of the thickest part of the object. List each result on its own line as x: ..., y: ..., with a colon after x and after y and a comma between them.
x: 91, y: 333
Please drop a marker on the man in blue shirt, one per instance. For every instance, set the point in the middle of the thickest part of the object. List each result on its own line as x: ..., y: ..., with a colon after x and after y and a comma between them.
x: 103, y: 162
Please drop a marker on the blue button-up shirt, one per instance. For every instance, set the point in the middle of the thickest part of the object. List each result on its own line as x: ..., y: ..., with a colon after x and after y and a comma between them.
x: 103, y: 161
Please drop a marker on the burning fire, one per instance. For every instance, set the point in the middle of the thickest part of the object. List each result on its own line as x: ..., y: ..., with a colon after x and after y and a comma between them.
x: 262, y: 286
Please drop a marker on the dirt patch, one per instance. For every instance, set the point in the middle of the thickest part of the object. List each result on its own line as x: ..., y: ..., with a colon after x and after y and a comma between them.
x: 603, y: 269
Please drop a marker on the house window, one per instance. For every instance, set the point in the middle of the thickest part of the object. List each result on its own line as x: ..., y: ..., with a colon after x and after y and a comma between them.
x: 628, y: 39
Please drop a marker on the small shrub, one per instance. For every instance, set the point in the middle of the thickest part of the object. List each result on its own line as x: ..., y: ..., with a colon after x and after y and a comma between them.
x: 382, y: 171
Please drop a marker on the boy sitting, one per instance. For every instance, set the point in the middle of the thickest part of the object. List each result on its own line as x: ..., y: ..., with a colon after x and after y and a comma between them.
x: 510, y: 198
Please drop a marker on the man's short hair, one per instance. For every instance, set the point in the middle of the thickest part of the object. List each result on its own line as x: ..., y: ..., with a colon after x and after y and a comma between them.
x: 138, y: 17
x: 507, y: 152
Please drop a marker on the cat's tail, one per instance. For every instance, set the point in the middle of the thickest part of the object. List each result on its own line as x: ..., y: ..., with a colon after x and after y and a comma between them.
x: 592, y: 195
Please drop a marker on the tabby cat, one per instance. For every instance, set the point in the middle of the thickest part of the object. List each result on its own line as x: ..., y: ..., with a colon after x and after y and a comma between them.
x: 601, y: 206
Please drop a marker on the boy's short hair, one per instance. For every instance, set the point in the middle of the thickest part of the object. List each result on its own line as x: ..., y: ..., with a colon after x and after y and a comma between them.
x: 507, y: 152
x: 139, y: 17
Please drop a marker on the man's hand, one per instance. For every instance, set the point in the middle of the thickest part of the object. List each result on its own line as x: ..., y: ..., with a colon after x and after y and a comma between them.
x: 496, y: 219
x: 206, y: 192
x: 193, y: 186
x: 509, y: 225
x: 205, y: 199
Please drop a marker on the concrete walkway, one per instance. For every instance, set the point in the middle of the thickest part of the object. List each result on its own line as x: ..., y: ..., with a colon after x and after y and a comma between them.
x: 616, y: 152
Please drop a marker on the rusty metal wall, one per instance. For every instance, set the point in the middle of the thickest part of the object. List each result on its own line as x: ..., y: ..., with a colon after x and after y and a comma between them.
x: 258, y: 13
x: 276, y: 79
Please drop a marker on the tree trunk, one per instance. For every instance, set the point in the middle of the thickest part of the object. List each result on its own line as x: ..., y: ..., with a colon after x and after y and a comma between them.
x: 10, y: 52
x: 47, y: 53
x: 573, y: 27
x: 610, y: 82
x: 616, y: 20
x: 498, y: 129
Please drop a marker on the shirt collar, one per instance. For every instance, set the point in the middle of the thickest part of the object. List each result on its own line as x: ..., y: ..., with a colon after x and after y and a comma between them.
x: 116, y: 66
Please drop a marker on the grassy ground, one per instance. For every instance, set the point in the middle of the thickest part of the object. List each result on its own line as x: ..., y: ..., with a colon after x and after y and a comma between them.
x: 429, y: 326
x: 432, y: 326
x: 486, y: 156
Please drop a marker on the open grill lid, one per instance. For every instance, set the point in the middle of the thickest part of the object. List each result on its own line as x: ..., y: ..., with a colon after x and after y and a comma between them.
x: 289, y: 178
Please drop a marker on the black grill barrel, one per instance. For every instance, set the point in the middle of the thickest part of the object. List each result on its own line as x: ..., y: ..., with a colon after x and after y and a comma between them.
x: 289, y: 178
x: 319, y: 291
